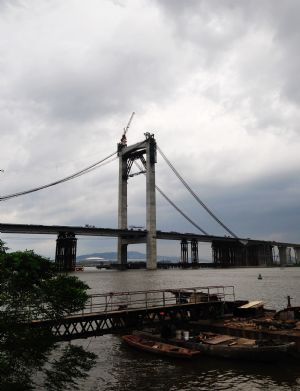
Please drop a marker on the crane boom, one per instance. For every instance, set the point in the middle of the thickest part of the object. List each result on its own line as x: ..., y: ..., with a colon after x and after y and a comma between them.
x: 123, y: 141
x: 129, y: 123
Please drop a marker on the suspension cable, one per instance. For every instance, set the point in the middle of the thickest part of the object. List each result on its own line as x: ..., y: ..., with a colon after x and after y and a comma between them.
x: 174, y: 205
x: 84, y: 171
x: 194, y: 194
x: 180, y: 211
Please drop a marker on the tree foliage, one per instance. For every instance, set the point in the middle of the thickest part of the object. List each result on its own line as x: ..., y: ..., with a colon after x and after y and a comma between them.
x: 73, y: 364
x: 31, y: 289
x: 3, y: 249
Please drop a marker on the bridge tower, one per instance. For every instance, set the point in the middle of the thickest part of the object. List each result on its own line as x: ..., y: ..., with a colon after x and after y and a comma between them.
x: 127, y: 156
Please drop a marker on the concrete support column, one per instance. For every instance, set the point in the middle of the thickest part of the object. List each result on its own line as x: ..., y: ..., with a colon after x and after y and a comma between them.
x: 184, y: 251
x: 297, y: 254
x: 289, y: 255
x: 194, y: 251
x: 282, y: 255
x: 65, y: 255
x: 151, y: 204
x: 122, y: 209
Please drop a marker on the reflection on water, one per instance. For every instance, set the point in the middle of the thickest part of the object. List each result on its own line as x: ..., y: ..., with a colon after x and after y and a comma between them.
x: 121, y: 368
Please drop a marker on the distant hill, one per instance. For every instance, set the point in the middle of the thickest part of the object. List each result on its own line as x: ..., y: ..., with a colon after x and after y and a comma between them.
x: 112, y: 256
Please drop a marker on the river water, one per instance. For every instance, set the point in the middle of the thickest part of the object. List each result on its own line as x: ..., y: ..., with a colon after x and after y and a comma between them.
x: 120, y: 368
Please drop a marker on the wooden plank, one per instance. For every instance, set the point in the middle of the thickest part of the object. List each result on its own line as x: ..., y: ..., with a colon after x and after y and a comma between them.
x: 253, y: 304
x: 219, y: 339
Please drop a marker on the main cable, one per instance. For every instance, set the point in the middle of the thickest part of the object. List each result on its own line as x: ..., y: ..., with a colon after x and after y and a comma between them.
x: 68, y: 178
x: 175, y: 206
x: 194, y: 194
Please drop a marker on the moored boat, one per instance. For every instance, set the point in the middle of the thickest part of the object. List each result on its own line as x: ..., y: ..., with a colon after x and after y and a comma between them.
x: 228, y: 346
x: 288, y: 313
x: 157, y: 347
x: 231, y: 347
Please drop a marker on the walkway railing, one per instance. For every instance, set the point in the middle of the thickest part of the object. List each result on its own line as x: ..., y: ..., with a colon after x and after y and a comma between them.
x: 135, y: 300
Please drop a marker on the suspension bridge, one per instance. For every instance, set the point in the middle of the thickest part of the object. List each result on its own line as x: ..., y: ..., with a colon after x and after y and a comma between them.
x: 230, y: 250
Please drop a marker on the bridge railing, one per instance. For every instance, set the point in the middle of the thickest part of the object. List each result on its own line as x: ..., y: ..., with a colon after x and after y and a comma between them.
x: 143, y: 300
x: 134, y: 300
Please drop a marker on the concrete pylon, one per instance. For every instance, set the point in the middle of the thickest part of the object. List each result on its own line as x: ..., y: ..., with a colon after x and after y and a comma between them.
x: 282, y: 255
x: 151, y: 203
x: 127, y: 155
x: 122, y: 209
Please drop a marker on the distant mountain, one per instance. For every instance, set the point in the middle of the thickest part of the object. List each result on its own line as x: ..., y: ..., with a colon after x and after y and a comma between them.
x: 112, y: 256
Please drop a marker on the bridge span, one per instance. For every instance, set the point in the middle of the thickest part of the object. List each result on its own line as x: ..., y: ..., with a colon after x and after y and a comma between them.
x: 129, y: 233
x: 227, y: 251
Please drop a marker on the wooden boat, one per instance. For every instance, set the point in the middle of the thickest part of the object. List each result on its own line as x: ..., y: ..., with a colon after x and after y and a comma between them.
x: 157, y: 347
x: 227, y: 346
x: 289, y: 313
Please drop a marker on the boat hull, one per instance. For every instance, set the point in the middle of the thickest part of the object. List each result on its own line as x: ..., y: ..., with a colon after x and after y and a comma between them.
x: 243, y: 348
x: 160, y: 348
x: 253, y: 353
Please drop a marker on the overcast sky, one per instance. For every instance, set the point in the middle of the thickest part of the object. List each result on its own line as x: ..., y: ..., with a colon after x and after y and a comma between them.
x: 217, y: 82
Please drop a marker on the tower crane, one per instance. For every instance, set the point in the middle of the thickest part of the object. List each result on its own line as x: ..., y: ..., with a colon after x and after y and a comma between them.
x: 123, y: 141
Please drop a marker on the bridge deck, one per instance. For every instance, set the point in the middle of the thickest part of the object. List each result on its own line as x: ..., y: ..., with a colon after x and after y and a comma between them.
x: 130, y: 234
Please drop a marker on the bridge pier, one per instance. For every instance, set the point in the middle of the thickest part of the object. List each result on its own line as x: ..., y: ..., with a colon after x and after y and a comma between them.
x: 297, y: 254
x: 65, y: 255
x: 235, y: 253
x: 282, y: 255
x: 194, y: 251
x: 122, y: 253
x: 184, y: 259
x: 226, y: 254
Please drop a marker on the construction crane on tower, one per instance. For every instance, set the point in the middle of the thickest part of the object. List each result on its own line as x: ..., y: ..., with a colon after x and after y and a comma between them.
x: 123, y: 141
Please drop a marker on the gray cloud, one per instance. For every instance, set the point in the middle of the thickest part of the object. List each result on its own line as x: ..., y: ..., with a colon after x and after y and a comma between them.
x: 256, y: 45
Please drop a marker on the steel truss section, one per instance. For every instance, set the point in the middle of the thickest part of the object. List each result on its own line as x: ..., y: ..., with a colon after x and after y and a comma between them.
x: 85, y: 326
x: 131, y: 159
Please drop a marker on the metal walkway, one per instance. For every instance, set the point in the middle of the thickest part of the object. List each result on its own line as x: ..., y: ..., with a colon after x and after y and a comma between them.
x: 115, y: 312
